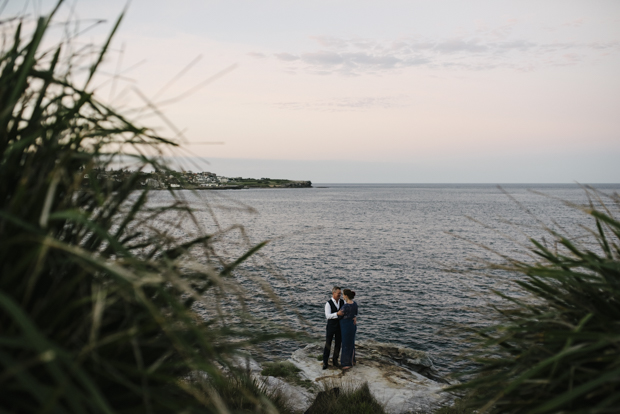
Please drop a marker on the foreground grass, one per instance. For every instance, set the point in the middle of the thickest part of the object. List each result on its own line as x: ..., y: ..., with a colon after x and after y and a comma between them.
x: 346, y: 400
x: 288, y: 372
x: 244, y: 394
x: 98, y: 293
x: 555, y: 347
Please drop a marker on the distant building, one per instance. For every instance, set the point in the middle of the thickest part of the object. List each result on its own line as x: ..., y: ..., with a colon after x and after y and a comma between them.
x: 151, y: 182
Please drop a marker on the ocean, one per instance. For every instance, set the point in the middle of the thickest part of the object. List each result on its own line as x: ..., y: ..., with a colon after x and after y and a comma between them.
x: 411, y: 252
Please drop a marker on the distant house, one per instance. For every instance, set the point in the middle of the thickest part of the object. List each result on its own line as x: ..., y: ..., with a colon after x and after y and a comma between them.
x: 151, y: 182
x: 175, y: 185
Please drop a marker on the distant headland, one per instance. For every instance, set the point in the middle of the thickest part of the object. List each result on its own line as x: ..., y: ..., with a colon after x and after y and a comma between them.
x: 188, y: 180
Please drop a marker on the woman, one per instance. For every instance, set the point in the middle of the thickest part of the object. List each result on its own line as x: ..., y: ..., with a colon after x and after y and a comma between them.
x: 348, y: 327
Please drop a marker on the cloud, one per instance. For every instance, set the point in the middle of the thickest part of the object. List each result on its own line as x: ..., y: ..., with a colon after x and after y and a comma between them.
x: 486, y: 48
x: 257, y: 55
x: 501, y: 31
x: 286, y: 57
x: 572, y: 57
x: 382, y: 61
x: 328, y: 41
x: 322, y: 58
x: 604, y: 45
x: 347, y: 103
x: 353, y: 63
x: 519, y: 45
x: 352, y: 60
x: 457, y: 45
x: 575, y: 23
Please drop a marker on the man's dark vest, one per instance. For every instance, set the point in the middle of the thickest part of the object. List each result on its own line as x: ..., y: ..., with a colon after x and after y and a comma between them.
x: 334, y: 310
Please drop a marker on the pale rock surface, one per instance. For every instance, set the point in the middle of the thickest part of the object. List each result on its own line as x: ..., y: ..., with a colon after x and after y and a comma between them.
x: 402, y: 379
x: 299, y: 396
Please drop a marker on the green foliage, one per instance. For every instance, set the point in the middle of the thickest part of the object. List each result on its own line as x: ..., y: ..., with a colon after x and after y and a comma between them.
x: 555, y: 347
x: 346, y: 401
x: 282, y: 369
x: 98, y: 297
x: 287, y: 371
x: 242, y: 393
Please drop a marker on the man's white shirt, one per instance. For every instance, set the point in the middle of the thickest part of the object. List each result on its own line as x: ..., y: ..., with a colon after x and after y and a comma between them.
x: 328, y: 310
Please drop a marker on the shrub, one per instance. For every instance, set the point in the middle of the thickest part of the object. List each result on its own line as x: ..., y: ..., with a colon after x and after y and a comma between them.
x: 282, y: 369
x: 287, y: 371
x: 98, y: 297
x: 243, y: 393
x: 555, y: 347
x: 347, y: 400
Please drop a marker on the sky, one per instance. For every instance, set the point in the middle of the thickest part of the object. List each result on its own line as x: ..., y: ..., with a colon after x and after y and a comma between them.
x: 372, y: 91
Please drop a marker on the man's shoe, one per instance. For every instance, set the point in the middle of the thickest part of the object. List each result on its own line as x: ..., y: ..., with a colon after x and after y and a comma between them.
x: 324, y: 366
x: 336, y: 364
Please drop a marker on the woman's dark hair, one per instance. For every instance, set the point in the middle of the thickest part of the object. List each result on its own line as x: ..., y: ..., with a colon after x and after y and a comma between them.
x: 349, y: 293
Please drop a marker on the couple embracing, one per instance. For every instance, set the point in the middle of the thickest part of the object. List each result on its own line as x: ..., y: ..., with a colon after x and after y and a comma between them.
x: 341, y: 318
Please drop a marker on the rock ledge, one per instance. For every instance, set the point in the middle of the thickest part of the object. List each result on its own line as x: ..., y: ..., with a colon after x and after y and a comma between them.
x: 402, y: 379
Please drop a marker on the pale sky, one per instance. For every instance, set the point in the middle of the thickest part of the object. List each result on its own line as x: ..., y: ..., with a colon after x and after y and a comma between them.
x: 377, y: 91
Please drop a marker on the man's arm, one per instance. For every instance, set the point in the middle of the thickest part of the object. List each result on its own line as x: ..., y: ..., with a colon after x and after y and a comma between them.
x: 328, y: 312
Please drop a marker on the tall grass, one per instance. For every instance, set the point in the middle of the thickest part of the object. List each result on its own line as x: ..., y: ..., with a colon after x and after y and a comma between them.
x: 555, y: 347
x: 98, y: 298
x: 345, y: 399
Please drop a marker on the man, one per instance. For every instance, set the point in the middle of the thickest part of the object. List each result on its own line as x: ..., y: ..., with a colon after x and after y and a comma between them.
x: 333, y: 326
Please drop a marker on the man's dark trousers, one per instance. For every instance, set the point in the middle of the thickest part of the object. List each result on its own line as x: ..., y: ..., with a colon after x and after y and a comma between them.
x: 333, y: 329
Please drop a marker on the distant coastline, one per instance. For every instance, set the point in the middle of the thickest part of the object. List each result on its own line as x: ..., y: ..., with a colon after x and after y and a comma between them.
x: 186, y: 180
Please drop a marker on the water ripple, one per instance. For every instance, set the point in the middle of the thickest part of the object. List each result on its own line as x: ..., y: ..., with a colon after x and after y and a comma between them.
x: 392, y: 244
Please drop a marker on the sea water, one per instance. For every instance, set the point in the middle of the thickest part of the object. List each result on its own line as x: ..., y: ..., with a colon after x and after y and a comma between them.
x: 412, y: 253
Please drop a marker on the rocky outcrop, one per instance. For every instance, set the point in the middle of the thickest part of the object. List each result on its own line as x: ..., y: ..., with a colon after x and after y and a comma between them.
x: 402, y: 379
x: 299, y: 397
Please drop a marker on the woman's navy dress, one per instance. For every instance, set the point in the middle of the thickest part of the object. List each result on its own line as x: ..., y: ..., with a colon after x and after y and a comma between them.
x: 348, y: 329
